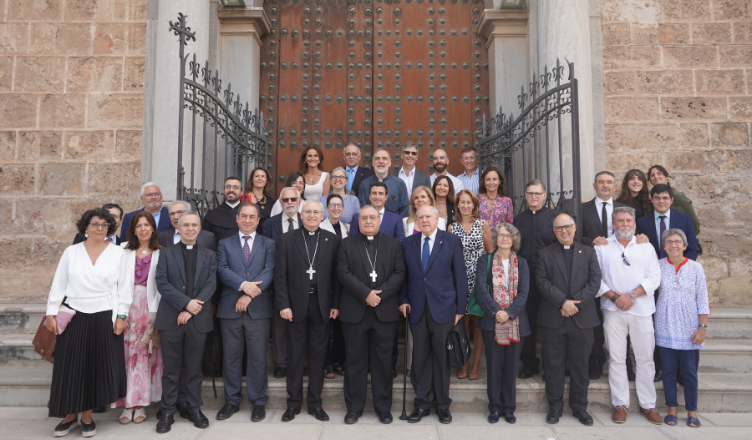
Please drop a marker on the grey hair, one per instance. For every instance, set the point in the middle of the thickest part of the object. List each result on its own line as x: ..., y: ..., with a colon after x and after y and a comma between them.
x: 148, y: 184
x: 516, y: 237
x: 331, y: 180
x: 595, y: 180
x: 321, y: 205
x: 407, y: 145
x: 185, y: 204
x: 180, y: 219
x: 669, y: 232
x: 289, y: 187
x: 353, y: 144
x: 367, y: 206
x: 435, y: 211
x: 621, y: 210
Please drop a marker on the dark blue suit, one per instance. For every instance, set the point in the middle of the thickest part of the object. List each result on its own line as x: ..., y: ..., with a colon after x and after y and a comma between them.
x: 677, y: 220
x: 250, y: 329
x: 391, y: 225
x: 435, y: 296
x: 164, y: 222
x: 273, y: 227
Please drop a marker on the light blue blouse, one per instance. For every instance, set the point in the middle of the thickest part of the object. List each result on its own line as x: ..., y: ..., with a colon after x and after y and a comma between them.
x: 683, y: 296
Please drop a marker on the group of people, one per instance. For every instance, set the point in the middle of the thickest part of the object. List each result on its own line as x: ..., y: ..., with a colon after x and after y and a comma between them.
x: 328, y: 269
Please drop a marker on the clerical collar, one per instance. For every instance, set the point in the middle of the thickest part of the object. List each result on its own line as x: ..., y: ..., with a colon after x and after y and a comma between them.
x: 187, y: 246
x: 566, y: 247
x: 369, y: 237
x: 231, y: 205
x: 311, y: 232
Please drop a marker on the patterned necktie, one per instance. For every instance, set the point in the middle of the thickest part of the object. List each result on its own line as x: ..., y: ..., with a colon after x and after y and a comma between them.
x: 662, y: 253
x: 604, y: 220
x: 426, y: 254
x: 246, y: 249
x: 350, y: 179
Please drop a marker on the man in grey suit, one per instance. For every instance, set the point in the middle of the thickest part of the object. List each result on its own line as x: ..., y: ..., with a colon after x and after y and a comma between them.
x: 171, y: 237
x: 409, y: 173
x: 186, y: 278
x: 245, y: 263
x: 568, y: 278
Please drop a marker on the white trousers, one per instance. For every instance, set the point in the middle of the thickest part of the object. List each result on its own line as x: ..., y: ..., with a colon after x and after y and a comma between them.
x: 616, y: 326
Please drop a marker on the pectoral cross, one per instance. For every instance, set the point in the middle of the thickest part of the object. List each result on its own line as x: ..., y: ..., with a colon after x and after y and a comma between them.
x: 310, y: 273
x: 373, y: 276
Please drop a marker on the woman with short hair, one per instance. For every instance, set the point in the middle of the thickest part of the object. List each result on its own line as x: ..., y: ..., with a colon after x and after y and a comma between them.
x: 339, y: 186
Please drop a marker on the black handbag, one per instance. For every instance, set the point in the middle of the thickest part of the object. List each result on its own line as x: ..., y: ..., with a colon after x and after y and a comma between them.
x: 458, y: 348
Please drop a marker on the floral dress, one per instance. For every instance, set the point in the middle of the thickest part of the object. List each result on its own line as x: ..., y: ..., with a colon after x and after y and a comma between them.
x: 502, y: 212
x: 472, y: 249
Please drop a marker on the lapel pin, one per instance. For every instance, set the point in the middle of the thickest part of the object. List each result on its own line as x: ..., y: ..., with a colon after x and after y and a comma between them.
x: 580, y: 251
x: 326, y: 239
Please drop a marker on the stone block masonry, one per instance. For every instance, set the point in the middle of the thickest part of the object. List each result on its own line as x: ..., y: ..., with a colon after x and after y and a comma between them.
x: 71, y: 112
x: 677, y: 83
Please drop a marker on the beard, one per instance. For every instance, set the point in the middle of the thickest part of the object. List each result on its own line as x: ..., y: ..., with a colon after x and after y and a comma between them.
x: 624, y: 233
x: 439, y: 167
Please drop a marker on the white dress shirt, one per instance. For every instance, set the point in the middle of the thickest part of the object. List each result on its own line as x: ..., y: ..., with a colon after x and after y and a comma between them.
x: 431, y: 241
x: 176, y: 237
x: 408, y: 178
x: 286, y: 224
x: 458, y: 186
x: 643, y: 270
x: 609, y: 210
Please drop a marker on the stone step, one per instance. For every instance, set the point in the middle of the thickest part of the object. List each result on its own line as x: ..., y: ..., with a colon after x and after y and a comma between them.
x: 21, y: 316
x: 726, y: 355
x: 26, y: 384
x: 724, y: 323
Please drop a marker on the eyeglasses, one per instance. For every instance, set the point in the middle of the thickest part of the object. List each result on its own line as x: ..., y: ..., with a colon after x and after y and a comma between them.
x: 339, y: 177
x: 306, y: 212
x: 674, y: 242
x: 504, y: 236
x: 177, y: 213
x: 289, y: 199
x: 532, y: 194
x: 99, y: 225
x: 352, y: 154
x: 410, y: 153
x: 624, y: 259
x: 372, y: 218
x: 562, y: 228
x: 235, y: 187
x: 150, y: 195
x: 336, y: 205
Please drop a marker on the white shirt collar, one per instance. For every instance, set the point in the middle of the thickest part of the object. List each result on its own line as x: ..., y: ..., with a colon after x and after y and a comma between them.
x: 432, y: 236
x: 381, y: 213
x: 601, y: 202
x: 407, y: 174
x: 232, y: 206
x: 241, y: 235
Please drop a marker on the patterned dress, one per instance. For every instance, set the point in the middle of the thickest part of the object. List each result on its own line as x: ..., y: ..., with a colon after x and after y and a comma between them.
x: 143, y: 370
x: 472, y: 249
x: 684, y: 296
x: 502, y: 212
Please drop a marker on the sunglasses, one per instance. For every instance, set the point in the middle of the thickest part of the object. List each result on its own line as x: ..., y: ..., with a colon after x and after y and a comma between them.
x: 289, y: 199
x: 410, y: 153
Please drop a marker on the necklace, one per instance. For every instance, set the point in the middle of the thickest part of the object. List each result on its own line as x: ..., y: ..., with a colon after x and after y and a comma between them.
x: 311, y: 270
x: 373, y: 274
x: 144, y: 251
x: 260, y: 200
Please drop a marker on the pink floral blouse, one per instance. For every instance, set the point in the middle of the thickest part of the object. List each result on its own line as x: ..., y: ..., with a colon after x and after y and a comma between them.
x: 502, y: 212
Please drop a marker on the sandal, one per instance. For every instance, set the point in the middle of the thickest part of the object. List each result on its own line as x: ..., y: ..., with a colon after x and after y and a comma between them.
x: 693, y: 422
x: 139, y: 413
x: 339, y: 369
x: 670, y: 420
x: 126, y: 417
x: 328, y: 374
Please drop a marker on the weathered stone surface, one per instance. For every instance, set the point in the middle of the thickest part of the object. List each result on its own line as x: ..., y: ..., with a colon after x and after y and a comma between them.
x: 693, y: 136
x: 645, y: 137
x: 727, y: 160
x: 18, y: 110
x: 618, y: 83
x: 674, y: 33
x: 89, y: 10
x: 66, y: 110
x: 136, y: 39
x: 114, y: 179
x: 644, y: 34
x: 690, y: 56
x: 624, y: 160
x: 7, y: 146
x: 17, y: 179
x: 89, y: 145
x: 128, y: 145
x: 730, y: 134
x: 742, y: 33
x: 60, y: 38
x: 61, y: 179
x: 110, y: 39
x: 736, y: 56
x: 734, y: 292
x: 661, y: 82
x: 739, y: 267
x: 20, y: 253
x: 740, y: 107
x: 133, y: 11
x: 134, y: 74
x: 35, y: 145
x: 684, y: 10
x: 630, y: 57
x: 615, y: 34
x: 720, y: 82
x: 115, y: 111
x: 630, y: 109
x: 640, y: 11
x: 7, y: 223
x: 732, y: 9
x: 715, y: 267
x: 711, y: 33
x: 6, y: 74
x: 34, y: 10
x: 40, y: 74
x: 13, y: 37
x: 696, y: 108
x: 104, y: 74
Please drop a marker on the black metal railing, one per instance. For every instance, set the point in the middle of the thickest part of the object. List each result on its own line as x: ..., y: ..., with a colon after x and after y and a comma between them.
x: 226, y: 138
x: 541, y: 143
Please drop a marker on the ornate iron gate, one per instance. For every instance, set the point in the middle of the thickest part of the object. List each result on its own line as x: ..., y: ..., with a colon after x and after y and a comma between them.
x: 229, y: 139
x: 540, y: 143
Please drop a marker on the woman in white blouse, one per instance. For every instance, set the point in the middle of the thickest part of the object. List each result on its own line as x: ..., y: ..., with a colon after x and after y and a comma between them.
x: 89, y: 369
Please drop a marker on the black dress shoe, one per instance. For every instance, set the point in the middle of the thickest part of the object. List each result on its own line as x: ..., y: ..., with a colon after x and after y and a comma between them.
x: 280, y: 372
x: 543, y: 378
x: 227, y: 411
x: 385, y: 418
x: 159, y: 414
x: 567, y: 372
x: 199, y: 419
x: 394, y: 373
x: 351, y: 418
x: 493, y: 417
x: 63, y: 429
x: 258, y: 414
x: 289, y: 414
x: 510, y: 418
x: 305, y: 371
x: 584, y: 418
x: 527, y: 372
x: 184, y: 409
x: 164, y: 424
x: 444, y: 415
x: 552, y: 417
x: 319, y: 413
x: 88, y: 429
x: 658, y: 375
x: 595, y: 371
x: 417, y: 414
x: 99, y: 410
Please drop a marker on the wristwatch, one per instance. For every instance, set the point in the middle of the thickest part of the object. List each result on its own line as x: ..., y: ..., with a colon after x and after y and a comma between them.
x: 633, y: 294
x: 123, y: 317
x: 614, y: 297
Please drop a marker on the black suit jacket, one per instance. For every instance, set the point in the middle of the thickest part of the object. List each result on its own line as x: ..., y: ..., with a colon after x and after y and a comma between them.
x: 591, y: 221
x: 205, y: 239
x: 163, y: 225
x: 353, y: 268
x: 272, y: 228
x: 80, y: 238
x: 361, y: 174
x: 551, y: 280
x: 291, y: 282
x: 171, y: 285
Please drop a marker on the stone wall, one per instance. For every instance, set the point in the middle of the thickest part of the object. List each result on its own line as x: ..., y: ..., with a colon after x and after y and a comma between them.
x: 71, y: 105
x: 677, y: 92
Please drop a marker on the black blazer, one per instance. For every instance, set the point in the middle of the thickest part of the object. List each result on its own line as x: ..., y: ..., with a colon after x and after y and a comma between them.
x: 291, y: 282
x: 163, y: 225
x: 171, y: 285
x: 360, y: 175
x: 591, y: 221
x: 353, y: 268
x: 551, y: 282
x: 205, y: 239
x: 80, y: 238
x: 272, y: 228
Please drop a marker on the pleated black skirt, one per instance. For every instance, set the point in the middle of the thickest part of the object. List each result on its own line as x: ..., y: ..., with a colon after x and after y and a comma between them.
x: 89, y: 369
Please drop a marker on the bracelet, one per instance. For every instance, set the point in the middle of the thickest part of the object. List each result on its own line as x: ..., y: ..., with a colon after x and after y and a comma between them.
x: 123, y: 317
x: 702, y: 325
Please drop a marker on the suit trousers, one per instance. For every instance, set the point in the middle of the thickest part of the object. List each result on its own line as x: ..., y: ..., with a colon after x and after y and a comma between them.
x: 617, y: 326
x: 370, y: 338
x: 311, y: 334
x: 185, y: 345
x: 567, y: 345
x: 689, y: 361
x: 597, y: 354
x: 528, y: 354
x: 254, y: 335
x: 430, y: 369
x: 279, y: 340
x: 501, y: 362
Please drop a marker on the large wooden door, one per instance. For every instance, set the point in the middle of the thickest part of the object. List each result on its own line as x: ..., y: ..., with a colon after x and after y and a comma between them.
x: 374, y: 72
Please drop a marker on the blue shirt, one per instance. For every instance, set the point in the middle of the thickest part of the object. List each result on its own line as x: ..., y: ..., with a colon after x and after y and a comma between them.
x: 156, y: 217
x: 397, y: 200
x: 351, y: 172
x: 658, y: 223
x: 470, y: 182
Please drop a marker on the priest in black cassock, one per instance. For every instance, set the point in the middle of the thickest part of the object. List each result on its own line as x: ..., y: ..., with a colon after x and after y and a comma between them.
x: 371, y: 270
x: 221, y: 220
x: 307, y: 295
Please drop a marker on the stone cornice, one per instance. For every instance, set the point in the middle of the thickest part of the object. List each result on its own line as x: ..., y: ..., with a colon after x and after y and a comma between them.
x: 503, y: 23
x: 251, y: 22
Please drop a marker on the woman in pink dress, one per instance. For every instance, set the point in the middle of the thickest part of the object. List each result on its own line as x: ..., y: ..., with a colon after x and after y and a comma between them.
x: 143, y: 363
x: 495, y: 206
